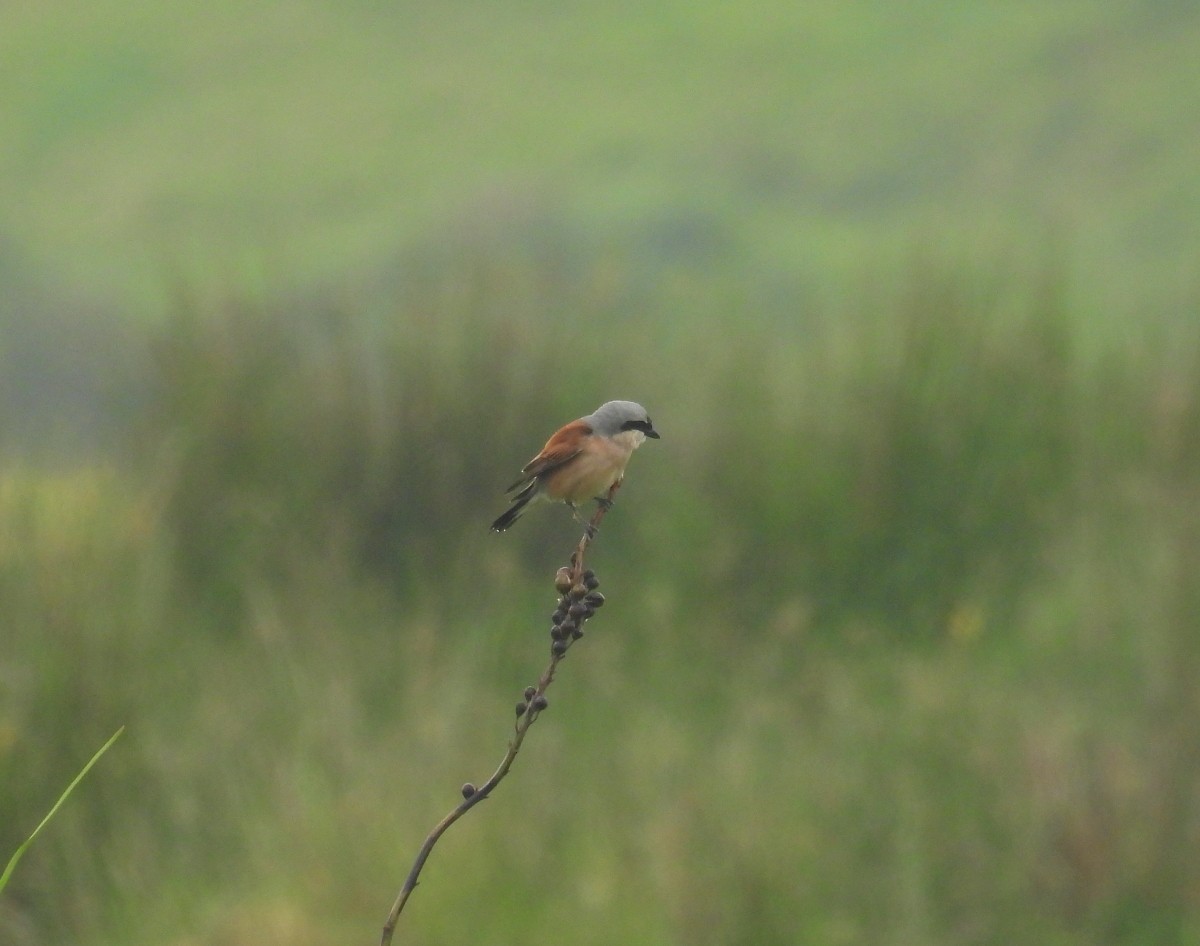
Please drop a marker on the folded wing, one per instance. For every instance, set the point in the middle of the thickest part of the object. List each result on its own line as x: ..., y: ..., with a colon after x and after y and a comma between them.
x: 566, y: 443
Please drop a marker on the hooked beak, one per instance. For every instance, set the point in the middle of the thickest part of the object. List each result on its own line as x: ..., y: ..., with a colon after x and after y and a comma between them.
x: 652, y: 434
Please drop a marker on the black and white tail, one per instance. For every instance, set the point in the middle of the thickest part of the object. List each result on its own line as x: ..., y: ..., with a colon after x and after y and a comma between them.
x: 519, y: 502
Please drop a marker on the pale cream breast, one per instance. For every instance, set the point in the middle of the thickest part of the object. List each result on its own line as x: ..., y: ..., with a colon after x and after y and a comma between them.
x: 592, y: 472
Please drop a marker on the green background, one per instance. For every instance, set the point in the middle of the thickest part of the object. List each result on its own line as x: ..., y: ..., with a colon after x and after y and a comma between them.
x: 902, y: 629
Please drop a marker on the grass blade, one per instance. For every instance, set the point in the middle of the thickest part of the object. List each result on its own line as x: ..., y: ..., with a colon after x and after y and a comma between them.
x: 12, y: 863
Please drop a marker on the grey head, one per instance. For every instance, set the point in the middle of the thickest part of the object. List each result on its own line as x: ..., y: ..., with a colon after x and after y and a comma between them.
x: 612, y: 418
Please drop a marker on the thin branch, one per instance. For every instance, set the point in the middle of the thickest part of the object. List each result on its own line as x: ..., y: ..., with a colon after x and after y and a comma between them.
x: 578, y: 601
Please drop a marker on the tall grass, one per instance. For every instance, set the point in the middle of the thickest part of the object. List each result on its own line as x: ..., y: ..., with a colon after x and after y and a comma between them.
x: 900, y: 642
x: 898, y: 462
x: 890, y: 465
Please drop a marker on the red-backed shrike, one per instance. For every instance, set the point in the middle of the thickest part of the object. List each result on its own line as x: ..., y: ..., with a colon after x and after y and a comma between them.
x: 583, y: 460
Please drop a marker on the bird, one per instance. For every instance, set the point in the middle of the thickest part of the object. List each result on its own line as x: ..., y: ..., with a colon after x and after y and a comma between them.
x: 583, y: 460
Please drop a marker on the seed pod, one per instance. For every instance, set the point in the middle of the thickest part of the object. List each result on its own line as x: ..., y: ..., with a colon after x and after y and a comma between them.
x: 562, y: 580
x: 558, y: 648
x: 577, y: 633
x: 577, y: 610
x: 529, y: 692
x: 468, y: 790
x: 540, y: 702
x: 595, y: 599
x: 578, y: 591
x: 591, y: 581
x: 522, y: 707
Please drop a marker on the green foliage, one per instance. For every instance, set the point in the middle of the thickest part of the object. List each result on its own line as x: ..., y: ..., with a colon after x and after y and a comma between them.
x: 20, y: 851
x: 952, y: 457
x: 897, y: 464
x: 282, y: 431
x: 900, y: 643
x: 746, y: 747
x: 889, y: 461
x: 814, y: 131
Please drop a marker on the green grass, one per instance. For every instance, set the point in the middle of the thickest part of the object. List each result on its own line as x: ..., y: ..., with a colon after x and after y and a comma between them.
x: 142, y: 138
x: 900, y: 637
x: 13, y: 861
x: 899, y: 644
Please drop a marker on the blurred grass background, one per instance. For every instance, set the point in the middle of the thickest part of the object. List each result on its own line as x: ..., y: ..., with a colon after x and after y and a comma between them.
x: 902, y: 634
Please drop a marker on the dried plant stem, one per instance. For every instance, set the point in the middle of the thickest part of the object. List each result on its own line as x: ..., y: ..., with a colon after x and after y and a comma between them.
x: 590, y: 532
x: 528, y: 711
